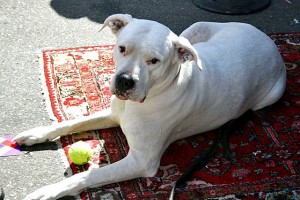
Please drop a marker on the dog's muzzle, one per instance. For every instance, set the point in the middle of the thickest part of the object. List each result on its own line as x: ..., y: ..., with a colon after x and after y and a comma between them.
x: 124, y: 83
x: 124, y: 87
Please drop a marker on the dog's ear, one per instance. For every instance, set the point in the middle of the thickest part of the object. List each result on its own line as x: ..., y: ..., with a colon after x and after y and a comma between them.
x: 117, y: 22
x: 186, y: 52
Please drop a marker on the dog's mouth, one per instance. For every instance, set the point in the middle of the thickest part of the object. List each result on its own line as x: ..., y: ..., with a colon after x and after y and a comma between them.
x: 121, y: 97
x: 142, y: 100
x: 124, y: 98
x: 127, y: 95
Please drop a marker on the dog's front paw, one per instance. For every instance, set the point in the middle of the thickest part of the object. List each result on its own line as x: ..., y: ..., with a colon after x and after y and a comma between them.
x: 49, y: 192
x: 55, y: 191
x: 33, y: 136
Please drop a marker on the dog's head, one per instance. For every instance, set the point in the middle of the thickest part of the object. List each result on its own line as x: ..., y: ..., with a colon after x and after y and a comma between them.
x: 147, y: 56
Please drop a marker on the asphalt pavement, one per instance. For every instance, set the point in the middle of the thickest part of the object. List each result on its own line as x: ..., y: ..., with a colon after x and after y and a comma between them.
x: 27, y: 27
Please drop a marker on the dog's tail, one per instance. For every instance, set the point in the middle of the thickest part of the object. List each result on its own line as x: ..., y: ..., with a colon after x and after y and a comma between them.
x: 202, y: 159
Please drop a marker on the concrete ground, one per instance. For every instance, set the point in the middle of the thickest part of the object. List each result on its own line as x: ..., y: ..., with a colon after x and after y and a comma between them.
x: 28, y: 26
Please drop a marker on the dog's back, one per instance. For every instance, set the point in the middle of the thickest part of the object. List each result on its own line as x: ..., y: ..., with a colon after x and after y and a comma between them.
x: 242, y: 70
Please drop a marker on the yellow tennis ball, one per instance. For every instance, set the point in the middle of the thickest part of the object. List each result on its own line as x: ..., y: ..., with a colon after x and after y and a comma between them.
x: 80, y: 153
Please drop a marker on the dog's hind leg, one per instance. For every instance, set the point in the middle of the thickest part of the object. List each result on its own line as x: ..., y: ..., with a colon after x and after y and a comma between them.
x: 100, y: 120
x: 199, y: 32
x: 273, y: 95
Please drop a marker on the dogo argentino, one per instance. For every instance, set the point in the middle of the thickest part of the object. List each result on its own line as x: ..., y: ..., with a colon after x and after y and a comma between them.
x: 168, y: 87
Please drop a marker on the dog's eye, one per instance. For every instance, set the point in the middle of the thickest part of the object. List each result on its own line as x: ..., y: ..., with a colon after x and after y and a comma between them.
x: 122, y: 49
x: 153, y: 61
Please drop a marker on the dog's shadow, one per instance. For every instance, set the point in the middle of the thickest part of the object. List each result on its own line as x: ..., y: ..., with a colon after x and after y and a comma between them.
x: 99, y: 10
x: 40, y: 147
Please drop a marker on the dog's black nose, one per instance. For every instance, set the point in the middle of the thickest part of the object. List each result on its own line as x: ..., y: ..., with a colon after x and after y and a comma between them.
x: 124, y: 82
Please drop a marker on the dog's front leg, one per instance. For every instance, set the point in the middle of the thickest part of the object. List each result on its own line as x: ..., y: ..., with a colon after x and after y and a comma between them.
x: 100, y: 120
x: 132, y: 166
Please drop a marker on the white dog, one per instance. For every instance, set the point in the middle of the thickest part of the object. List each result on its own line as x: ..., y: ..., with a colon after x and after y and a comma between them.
x: 169, y: 87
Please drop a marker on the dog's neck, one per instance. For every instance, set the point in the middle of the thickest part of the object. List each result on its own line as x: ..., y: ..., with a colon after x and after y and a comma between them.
x: 177, y: 78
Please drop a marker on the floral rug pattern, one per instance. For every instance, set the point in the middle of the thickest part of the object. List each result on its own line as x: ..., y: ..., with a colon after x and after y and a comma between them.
x: 265, y: 160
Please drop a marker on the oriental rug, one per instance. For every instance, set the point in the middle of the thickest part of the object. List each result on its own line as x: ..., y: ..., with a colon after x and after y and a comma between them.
x: 265, y: 160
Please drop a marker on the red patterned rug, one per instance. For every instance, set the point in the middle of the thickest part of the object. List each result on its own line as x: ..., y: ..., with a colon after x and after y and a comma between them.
x: 266, y: 154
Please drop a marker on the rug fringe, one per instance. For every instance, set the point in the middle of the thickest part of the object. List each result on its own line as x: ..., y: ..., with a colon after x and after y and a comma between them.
x: 45, y: 92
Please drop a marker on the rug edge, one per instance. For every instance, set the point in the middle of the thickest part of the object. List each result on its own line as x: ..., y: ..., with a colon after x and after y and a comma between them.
x: 44, y: 88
